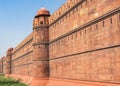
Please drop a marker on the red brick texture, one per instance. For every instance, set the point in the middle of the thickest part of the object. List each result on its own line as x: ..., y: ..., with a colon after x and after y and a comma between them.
x: 78, y: 45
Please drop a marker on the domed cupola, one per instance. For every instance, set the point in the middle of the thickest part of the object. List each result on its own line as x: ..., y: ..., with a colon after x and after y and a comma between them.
x: 41, y: 19
x: 43, y: 12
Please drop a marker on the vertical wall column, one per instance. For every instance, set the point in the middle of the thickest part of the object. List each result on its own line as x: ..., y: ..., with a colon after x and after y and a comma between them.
x: 3, y: 65
x: 40, y: 54
x: 8, y: 61
x: 0, y: 65
x: 41, y: 47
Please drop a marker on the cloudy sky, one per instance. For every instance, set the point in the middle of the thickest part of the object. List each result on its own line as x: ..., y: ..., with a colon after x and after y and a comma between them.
x: 16, y: 19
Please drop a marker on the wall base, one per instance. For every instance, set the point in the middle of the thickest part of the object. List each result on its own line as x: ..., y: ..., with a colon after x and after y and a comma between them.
x: 39, y: 82
x: 64, y: 82
x: 30, y: 81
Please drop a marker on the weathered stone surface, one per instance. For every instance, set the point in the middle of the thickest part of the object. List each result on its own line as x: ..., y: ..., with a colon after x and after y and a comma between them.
x: 78, y: 45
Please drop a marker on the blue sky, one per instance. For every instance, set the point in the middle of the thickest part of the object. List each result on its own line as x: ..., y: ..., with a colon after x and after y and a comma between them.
x: 16, y: 18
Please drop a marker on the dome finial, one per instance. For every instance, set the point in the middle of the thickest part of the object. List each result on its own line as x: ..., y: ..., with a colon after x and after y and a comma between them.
x: 43, y: 11
x: 43, y: 7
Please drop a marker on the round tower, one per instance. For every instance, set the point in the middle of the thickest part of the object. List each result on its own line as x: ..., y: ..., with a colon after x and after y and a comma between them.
x: 3, y: 68
x: 40, y: 45
x: 8, y: 61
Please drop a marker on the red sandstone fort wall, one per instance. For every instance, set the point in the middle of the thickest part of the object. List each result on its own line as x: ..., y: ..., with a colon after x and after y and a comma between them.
x: 84, y: 41
x: 0, y: 66
x: 66, y: 19
x: 4, y: 65
x: 22, y: 57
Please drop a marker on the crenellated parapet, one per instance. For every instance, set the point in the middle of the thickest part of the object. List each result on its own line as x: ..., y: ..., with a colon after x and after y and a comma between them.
x: 63, y: 9
x: 25, y: 41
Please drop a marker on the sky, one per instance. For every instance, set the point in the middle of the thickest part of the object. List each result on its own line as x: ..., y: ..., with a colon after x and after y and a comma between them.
x: 16, y: 18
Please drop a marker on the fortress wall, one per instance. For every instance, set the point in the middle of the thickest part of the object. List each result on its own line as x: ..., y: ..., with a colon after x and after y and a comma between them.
x: 4, y: 65
x: 63, y: 9
x: 22, y: 57
x: 78, y: 14
x: 84, y: 45
x: 104, y: 33
x: 91, y: 53
x: 100, y: 66
x: 1, y: 66
x: 80, y: 48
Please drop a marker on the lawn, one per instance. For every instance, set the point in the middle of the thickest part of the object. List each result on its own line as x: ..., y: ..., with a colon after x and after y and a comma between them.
x: 9, y: 82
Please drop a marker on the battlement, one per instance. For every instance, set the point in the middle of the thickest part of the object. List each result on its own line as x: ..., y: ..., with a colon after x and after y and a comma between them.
x: 80, y: 41
x: 27, y: 39
x: 63, y: 9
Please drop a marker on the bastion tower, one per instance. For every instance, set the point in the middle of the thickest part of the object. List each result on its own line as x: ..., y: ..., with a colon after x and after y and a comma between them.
x: 40, y: 46
x: 8, y: 61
